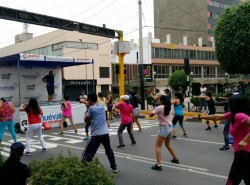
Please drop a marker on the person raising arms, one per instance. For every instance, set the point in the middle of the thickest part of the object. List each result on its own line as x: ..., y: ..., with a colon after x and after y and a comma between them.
x: 34, y: 113
x: 135, y: 101
x: 126, y: 111
x: 239, y: 115
x: 211, y: 108
x: 103, y: 101
x: 178, y: 113
x: 164, y: 114
x: 99, y: 133
x: 67, y: 113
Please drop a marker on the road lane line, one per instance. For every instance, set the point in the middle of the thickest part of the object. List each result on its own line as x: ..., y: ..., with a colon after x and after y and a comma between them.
x: 182, y: 167
x: 123, y: 155
x: 195, y: 140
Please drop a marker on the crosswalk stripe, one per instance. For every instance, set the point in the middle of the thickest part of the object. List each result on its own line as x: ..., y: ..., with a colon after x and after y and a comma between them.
x: 69, y: 136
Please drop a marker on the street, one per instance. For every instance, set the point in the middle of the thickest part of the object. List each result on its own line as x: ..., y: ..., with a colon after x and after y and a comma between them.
x: 201, y: 161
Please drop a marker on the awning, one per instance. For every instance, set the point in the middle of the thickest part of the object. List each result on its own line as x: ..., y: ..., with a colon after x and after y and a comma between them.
x: 43, y: 60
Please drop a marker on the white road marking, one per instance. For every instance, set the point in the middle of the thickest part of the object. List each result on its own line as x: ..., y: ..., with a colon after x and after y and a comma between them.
x: 195, y: 140
x: 182, y: 167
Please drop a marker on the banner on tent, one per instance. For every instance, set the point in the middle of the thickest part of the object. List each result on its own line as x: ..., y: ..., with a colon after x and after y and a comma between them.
x: 31, y: 84
x: 53, y: 114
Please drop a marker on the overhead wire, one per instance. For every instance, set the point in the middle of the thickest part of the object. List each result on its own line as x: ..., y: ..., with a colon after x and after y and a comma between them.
x: 96, y: 4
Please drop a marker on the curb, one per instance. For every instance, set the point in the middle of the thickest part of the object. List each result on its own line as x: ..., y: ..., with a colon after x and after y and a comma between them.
x: 188, y: 116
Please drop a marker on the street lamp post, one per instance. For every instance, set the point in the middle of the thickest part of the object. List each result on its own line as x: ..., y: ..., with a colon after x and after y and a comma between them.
x: 226, y: 76
x: 154, y: 80
x: 190, y: 81
x: 226, y: 85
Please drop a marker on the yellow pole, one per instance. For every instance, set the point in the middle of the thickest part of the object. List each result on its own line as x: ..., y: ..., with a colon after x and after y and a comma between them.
x: 121, y: 68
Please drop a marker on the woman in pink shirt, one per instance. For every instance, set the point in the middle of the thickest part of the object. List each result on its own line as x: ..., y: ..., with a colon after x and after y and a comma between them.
x: 67, y: 113
x: 239, y: 106
x: 126, y: 111
x: 164, y: 114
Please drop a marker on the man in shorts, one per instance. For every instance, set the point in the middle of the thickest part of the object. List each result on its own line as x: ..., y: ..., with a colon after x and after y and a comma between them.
x: 49, y: 80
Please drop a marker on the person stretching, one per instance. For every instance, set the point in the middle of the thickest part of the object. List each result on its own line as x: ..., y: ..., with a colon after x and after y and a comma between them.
x: 178, y: 114
x: 126, y: 111
x: 164, y: 113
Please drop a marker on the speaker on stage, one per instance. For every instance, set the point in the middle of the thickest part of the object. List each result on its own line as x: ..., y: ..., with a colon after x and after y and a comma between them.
x: 196, y: 89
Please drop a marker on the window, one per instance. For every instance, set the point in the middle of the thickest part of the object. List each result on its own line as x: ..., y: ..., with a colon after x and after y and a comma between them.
x: 220, y: 72
x: 168, y: 53
x: 76, y: 45
x: 104, y: 72
x: 159, y: 53
x: 182, y: 53
x: 177, y: 68
x: 192, y: 54
x: 176, y: 54
x: 196, y: 71
x: 209, y: 72
x: 162, y: 71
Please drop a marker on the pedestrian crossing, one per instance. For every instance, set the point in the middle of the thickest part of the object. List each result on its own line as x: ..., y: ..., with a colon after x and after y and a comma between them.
x: 68, y: 138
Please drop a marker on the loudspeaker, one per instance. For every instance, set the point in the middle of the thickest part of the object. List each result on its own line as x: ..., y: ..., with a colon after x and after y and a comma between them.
x: 196, y: 89
x: 186, y: 66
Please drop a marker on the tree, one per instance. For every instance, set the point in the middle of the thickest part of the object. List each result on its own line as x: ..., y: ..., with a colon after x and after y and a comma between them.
x: 178, y: 79
x: 232, y: 41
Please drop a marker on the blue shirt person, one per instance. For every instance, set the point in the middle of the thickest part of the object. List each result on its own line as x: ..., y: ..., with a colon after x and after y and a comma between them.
x: 99, y: 132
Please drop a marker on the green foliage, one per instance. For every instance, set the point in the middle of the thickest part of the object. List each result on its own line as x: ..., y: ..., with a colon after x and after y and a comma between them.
x: 247, y: 92
x: 69, y: 170
x: 195, y: 101
x: 178, y: 79
x: 232, y: 41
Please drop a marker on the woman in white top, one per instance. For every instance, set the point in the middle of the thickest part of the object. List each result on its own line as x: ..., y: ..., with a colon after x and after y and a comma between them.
x: 103, y: 101
x: 164, y: 113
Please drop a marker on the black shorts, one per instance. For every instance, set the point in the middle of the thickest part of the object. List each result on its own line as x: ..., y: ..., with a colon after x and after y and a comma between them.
x: 50, y: 90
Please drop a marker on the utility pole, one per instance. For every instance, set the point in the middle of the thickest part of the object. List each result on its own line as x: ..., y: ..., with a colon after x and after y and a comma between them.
x: 121, y: 67
x: 141, y: 67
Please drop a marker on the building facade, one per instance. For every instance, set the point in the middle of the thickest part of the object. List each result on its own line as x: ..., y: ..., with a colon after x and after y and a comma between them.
x: 161, y: 60
x: 89, y: 77
x: 192, y: 20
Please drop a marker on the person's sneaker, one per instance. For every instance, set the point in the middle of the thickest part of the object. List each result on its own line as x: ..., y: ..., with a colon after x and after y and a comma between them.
x: 27, y: 153
x: 173, y: 137
x: 134, y: 142
x: 185, y: 135
x: 44, y: 150
x: 76, y: 131
x: 61, y: 133
x: 225, y: 148
x: 115, y: 170
x: 208, y: 128
x: 215, y: 126
x: 156, y: 167
x: 139, y: 130
x: 175, y: 160
x: 85, y: 138
x: 121, y: 146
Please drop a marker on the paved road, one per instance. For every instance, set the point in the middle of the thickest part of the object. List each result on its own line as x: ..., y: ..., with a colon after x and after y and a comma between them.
x: 201, y: 162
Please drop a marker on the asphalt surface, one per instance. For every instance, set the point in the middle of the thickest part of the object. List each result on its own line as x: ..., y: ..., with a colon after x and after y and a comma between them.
x: 201, y: 161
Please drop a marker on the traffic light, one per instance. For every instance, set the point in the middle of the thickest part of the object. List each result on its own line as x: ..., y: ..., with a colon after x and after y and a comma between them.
x: 125, y: 69
x: 117, y: 69
x: 186, y: 66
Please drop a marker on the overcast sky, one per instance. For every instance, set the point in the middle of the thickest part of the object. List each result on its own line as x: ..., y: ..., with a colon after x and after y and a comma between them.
x: 116, y: 14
